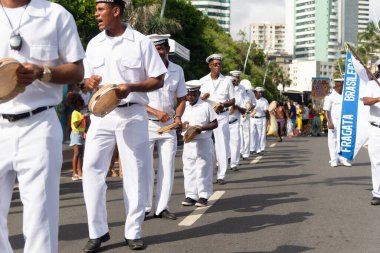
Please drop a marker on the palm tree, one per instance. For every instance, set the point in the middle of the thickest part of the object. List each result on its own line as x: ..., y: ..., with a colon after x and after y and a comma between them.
x: 369, y: 42
x: 146, y: 19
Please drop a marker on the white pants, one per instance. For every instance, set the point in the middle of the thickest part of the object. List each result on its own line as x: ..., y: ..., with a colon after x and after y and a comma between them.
x: 31, y: 150
x: 198, y: 160
x: 128, y: 127
x: 334, y: 146
x: 166, y: 148
x: 235, y: 143
x: 258, y: 134
x: 245, y: 136
x: 222, y: 147
x: 374, y: 151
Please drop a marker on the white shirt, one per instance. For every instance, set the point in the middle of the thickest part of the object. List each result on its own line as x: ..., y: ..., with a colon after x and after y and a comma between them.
x: 250, y: 97
x: 333, y: 103
x: 50, y: 38
x: 220, y: 90
x: 240, y: 100
x: 199, y: 114
x: 174, y: 86
x: 373, y: 91
x: 129, y: 58
x: 261, y: 106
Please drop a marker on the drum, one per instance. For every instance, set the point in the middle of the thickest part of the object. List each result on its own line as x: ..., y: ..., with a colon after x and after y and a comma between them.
x: 104, y: 100
x: 8, y: 81
x: 272, y: 106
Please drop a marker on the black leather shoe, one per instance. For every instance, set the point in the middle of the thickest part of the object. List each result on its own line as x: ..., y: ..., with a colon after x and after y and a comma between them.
x: 220, y: 182
x: 166, y: 215
x: 94, y: 244
x: 375, y: 201
x: 135, y: 244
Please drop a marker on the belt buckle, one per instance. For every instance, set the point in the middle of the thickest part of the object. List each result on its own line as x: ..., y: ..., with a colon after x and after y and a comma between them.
x: 10, y: 117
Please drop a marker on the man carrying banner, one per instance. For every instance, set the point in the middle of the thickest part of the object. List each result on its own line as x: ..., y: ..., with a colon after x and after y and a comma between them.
x: 372, y: 99
x: 333, y: 108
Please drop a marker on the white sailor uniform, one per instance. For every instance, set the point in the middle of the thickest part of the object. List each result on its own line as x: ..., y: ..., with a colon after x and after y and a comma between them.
x: 220, y: 90
x: 128, y: 58
x: 163, y: 100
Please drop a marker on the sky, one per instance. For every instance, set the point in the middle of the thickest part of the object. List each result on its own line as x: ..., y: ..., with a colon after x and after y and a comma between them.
x: 244, y: 12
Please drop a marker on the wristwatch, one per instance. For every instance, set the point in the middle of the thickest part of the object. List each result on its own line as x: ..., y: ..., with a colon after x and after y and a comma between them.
x: 46, y: 74
x: 177, y: 116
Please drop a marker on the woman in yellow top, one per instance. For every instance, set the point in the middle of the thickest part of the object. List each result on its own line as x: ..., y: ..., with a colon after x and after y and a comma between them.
x: 299, y: 117
x: 78, y: 127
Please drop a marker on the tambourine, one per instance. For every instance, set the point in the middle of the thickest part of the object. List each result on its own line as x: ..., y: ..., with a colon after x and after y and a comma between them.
x: 8, y: 79
x: 104, y: 100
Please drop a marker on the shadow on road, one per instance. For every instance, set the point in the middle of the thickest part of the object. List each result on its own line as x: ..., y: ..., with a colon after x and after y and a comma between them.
x: 282, y: 249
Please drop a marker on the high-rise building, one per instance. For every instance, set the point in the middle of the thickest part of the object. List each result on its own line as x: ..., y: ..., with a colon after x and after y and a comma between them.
x: 220, y: 10
x: 318, y: 29
x: 363, y: 17
x: 269, y: 37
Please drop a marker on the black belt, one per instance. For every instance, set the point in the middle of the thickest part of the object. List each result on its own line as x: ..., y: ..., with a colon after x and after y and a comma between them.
x: 232, y: 121
x: 15, y: 117
x: 375, y: 125
x: 257, y: 117
x: 224, y: 110
x: 126, y: 105
x: 154, y: 120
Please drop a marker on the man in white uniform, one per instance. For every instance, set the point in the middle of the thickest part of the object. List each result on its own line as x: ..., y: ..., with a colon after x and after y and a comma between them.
x: 333, y: 109
x: 234, y: 119
x: 217, y: 88
x: 372, y: 99
x: 245, y: 127
x: 125, y: 57
x: 198, y: 154
x: 43, y: 37
x: 259, y: 122
x: 161, y: 113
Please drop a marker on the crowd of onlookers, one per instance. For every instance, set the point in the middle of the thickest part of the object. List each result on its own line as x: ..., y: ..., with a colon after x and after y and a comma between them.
x: 299, y: 119
x: 76, y: 125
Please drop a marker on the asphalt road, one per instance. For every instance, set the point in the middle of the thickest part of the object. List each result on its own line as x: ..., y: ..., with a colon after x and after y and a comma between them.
x: 288, y: 200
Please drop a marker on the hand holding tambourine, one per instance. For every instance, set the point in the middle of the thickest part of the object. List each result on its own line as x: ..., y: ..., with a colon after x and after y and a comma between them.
x: 9, y: 87
x: 218, y: 107
x: 191, y: 133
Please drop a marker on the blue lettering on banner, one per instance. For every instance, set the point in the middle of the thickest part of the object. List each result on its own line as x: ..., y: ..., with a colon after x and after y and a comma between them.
x: 348, y: 123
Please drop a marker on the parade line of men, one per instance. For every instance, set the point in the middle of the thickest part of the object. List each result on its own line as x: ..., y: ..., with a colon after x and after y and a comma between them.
x: 152, y: 93
x: 227, y: 119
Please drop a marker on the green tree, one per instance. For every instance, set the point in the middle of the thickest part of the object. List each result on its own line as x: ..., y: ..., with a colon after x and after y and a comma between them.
x: 369, y: 42
x: 83, y: 13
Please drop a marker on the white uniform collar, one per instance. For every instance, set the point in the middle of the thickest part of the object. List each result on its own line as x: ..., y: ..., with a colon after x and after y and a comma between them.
x: 172, y: 67
x: 208, y: 77
x: 128, y: 34
x: 37, y: 8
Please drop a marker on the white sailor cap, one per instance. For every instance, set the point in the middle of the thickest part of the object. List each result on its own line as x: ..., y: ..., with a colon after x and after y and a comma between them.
x: 214, y: 57
x: 246, y: 84
x: 339, y: 80
x: 193, y: 85
x: 259, y: 89
x: 159, y: 39
x: 121, y: 2
x: 236, y: 73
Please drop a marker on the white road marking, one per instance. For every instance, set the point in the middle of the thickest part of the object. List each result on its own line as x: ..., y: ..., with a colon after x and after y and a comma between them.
x: 197, y: 213
x: 272, y: 145
x: 256, y: 160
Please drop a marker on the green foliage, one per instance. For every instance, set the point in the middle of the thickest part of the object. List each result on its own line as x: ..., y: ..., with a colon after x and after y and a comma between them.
x: 369, y: 42
x: 189, y: 27
x: 83, y: 13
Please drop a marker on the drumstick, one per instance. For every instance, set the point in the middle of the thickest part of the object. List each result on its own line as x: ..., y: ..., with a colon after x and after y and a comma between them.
x: 167, y: 128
